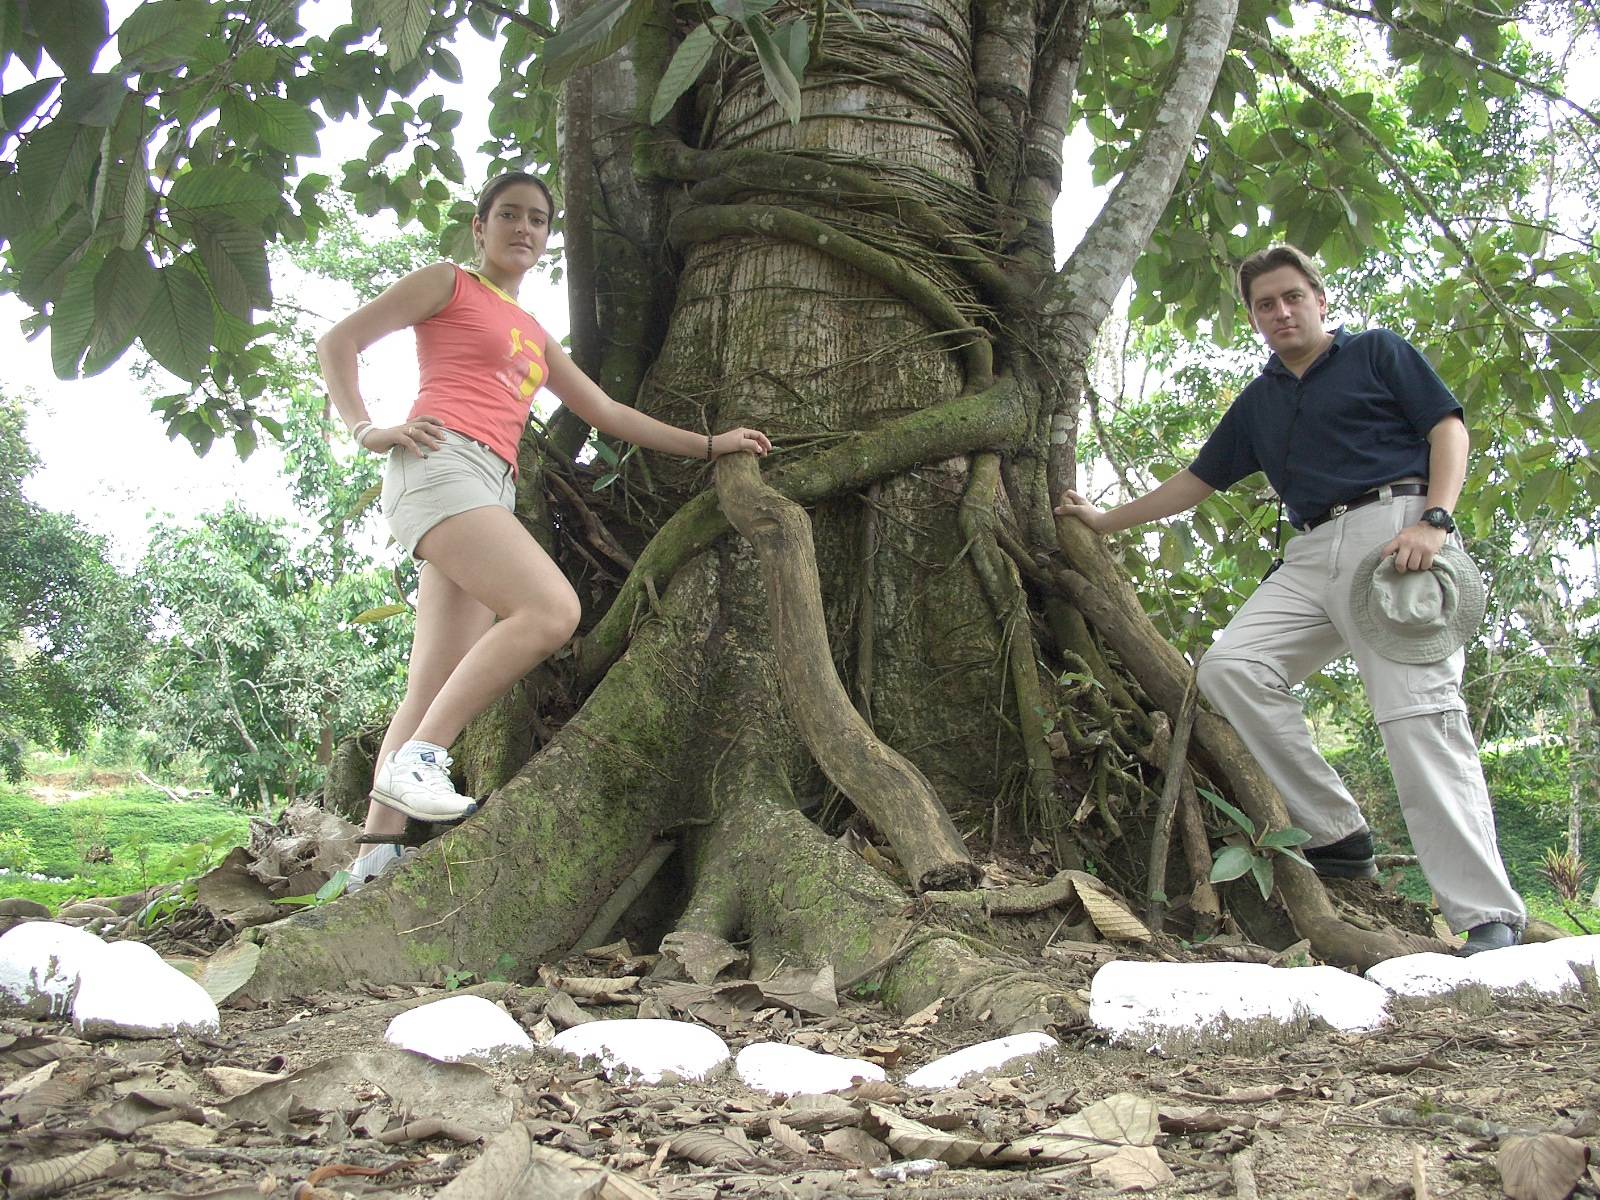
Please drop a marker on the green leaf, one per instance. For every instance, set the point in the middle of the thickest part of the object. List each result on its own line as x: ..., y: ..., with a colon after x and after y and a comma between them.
x: 123, y: 290
x: 235, y: 259
x: 176, y: 329
x: 288, y: 126
x: 1230, y: 863
x: 785, y: 88
x: 1261, y: 868
x: 55, y: 163
x: 135, y: 200
x: 403, y: 23
x: 382, y: 613
x: 72, y: 317
x: 1228, y: 810
x: 161, y: 34
x: 1282, y: 839
x: 93, y: 100
x: 595, y: 34
x: 16, y: 108
x: 1475, y: 113
x: 794, y: 38
x: 72, y: 31
x: 688, y: 61
x: 207, y: 193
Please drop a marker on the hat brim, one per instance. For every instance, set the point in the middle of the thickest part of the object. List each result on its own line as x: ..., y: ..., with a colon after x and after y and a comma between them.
x: 1460, y: 624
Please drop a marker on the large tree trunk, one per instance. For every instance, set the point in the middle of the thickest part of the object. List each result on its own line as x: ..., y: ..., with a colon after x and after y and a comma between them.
x: 875, y: 287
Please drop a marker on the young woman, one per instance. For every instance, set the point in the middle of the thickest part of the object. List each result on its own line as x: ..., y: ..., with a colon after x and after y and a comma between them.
x: 491, y: 604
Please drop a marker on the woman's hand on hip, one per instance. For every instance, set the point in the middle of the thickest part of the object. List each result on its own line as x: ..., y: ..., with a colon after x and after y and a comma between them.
x: 740, y: 441
x: 418, y: 436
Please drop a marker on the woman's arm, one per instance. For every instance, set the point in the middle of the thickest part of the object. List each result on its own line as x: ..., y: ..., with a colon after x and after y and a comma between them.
x: 413, y: 299
x: 586, y: 398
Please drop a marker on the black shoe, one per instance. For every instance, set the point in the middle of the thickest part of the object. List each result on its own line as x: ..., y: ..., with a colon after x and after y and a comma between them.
x: 1491, y: 935
x: 1348, y: 858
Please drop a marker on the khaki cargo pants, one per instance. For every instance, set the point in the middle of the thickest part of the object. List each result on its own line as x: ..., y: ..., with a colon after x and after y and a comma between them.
x: 1298, y: 621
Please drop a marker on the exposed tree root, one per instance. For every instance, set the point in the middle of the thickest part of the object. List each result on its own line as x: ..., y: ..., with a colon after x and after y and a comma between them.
x: 526, y: 875
x: 882, y: 783
x: 1161, y: 671
x: 994, y: 417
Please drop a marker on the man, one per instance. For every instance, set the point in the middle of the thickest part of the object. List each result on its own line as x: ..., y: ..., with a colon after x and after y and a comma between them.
x: 1368, y: 449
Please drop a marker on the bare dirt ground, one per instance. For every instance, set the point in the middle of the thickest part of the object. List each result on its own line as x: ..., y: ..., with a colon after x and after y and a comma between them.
x: 1430, y: 1107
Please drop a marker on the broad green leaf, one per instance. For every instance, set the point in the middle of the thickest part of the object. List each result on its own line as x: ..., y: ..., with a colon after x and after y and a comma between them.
x: 1228, y: 810
x: 794, y: 39
x: 123, y: 289
x: 161, y: 34
x: 207, y: 193
x: 93, y: 100
x: 596, y: 33
x: 741, y: 10
x: 134, y: 203
x: 176, y: 329
x: 18, y: 106
x: 382, y: 613
x: 55, y: 163
x: 72, y: 31
x: 236, y: 263
x: 688, y: 61
x: 785, y: 88
x: 287, y: 126
x: 1261, y: 868
x: 1282, y: 839
x: 47, y: 255
x: 403, y: 23
x: 72, y: 317
x: 1230, y: 863
x: 1475, y: 113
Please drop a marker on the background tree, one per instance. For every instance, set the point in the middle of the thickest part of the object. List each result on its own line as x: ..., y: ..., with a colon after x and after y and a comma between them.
x: 71, y: 623
x: 832, y: 221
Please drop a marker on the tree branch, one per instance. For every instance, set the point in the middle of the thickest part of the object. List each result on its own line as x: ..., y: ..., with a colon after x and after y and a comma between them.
x: 1103, y: 260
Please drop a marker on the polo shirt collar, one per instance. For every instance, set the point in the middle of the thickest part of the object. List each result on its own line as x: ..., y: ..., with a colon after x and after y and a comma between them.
x: 1275, y: 364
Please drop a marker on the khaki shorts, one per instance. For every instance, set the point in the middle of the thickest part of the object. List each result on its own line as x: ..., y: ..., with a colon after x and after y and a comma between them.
x: 459, y: 476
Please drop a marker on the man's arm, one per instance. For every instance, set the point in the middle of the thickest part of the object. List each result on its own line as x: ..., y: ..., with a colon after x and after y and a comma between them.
x: 1178, y: 494
x: 1415, y: 547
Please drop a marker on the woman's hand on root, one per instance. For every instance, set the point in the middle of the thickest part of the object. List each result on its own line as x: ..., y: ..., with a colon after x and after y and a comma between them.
x: 740, y: 441
x: 418, y: 436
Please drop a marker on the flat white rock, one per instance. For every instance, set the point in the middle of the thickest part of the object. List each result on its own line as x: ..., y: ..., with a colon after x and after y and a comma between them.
x: 647, y: 1048
x: 1132, y: 1000
x: 1544, y: 967
x: 127, y: 991
x: 458, y: 1027
x: 40, y: 962
x: 981, y: 1059
x: 793, y: 1070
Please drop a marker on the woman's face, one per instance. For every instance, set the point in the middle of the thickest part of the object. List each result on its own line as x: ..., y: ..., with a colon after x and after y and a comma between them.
x: 513, y: 235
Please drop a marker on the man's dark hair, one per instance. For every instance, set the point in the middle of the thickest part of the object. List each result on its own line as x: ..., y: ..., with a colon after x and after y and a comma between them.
x: 500, y: 183
x: 1270, y: 259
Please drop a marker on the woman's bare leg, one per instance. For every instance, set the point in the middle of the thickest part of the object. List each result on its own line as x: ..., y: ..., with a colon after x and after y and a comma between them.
x: 490, y: 557
x: 449, y: 622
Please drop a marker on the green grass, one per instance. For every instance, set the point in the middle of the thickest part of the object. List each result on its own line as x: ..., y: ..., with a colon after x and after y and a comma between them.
x: 145, y: 834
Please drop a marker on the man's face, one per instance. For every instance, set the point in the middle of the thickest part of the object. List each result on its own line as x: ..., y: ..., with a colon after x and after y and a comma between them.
x: 1288, y: 312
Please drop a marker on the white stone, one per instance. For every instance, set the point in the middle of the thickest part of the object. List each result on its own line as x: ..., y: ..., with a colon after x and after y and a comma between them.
x: 1544, y: 967
x: 793, y: 1070
x: 458, y: 1027
x: 647, y: 1048
x: 40, y: 962
x: 1142, y: 1000
x: 127, y: 991
x: 982, y: 1059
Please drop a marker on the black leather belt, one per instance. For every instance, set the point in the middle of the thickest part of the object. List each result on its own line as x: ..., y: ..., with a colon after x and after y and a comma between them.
x: 1366, y: 498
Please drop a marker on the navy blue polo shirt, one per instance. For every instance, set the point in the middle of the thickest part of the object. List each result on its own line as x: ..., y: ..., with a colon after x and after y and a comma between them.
x: 1359, y: 418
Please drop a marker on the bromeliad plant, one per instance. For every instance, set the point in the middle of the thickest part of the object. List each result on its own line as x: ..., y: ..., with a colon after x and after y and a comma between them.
x: 1244, y: 850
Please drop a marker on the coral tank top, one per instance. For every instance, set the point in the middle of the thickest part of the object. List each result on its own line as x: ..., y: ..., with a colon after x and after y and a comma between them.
x: 481, y: 359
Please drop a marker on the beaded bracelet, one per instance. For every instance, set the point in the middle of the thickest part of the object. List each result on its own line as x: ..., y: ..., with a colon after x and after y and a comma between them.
x: 708, y: 448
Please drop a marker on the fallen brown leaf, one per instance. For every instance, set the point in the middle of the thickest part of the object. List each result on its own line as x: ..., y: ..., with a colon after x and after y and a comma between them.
x: 1546, y: 1166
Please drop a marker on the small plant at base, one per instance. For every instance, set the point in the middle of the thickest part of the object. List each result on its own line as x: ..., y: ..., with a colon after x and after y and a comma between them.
x: 326, y: 894
x: 1564, y: 872
x: 1245, y: 851
x: 457, y: 979
x: 17, y: 852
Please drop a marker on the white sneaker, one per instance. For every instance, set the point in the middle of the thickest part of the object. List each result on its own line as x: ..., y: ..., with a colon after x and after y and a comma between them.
x: 415, y: 780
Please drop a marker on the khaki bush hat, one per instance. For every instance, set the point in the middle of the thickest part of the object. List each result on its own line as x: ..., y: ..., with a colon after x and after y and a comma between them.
x: 1417, y: 616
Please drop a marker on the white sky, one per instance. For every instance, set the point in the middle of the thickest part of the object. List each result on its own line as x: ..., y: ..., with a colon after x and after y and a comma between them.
x: 106, y: 457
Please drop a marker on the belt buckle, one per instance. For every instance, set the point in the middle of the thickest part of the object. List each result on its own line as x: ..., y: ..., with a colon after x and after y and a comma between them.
x: 1338, y: 510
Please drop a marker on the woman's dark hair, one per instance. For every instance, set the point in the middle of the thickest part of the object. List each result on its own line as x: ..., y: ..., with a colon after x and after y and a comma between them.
x: 500, y: 183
